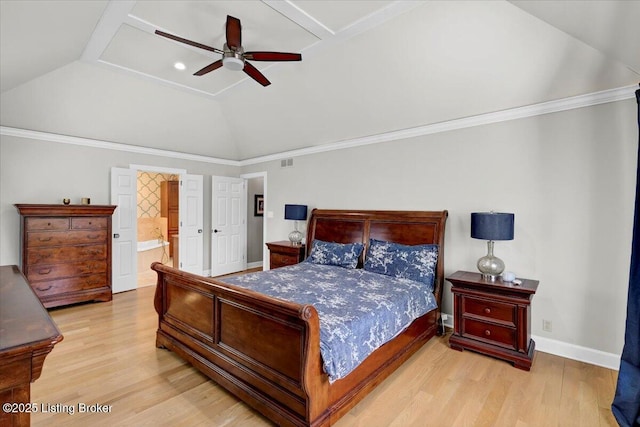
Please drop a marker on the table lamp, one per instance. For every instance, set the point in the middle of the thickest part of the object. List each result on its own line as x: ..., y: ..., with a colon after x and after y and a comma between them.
x: 295, y: 213
x: 491, y: 226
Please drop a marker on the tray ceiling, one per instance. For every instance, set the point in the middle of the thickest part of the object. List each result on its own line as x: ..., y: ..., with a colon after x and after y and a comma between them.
x: 125, y: 38
x: 95, y: 69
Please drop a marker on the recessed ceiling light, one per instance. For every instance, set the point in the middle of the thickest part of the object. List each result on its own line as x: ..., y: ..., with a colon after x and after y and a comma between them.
x: 179, y: 66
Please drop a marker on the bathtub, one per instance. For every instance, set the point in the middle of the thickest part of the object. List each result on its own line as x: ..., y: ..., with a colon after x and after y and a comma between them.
x: 149, y: 252
x: 149, y: 245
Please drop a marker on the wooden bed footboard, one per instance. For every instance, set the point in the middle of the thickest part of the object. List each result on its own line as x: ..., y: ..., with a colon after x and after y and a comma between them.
x: 263, y: 350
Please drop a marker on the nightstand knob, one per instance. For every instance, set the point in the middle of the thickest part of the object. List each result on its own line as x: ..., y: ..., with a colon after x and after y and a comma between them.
x: 487, y: 310
x: 487, y: 332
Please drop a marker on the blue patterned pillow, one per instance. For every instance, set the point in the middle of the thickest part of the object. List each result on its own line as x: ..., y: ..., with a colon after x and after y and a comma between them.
x: 416, y: 263
x: 341, y: 254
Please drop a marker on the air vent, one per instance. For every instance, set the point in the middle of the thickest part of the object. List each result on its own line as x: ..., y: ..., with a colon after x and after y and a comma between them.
x: 286, y: 163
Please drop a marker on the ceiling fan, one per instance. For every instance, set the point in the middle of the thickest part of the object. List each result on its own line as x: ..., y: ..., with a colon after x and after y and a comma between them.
x: 233, y: 55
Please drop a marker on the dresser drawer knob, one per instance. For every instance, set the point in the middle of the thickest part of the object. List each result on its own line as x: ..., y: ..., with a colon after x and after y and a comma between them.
x: 44, y: 271
x: 487, y: 332
x: 44, y: 239
x: 44, y: 289
x: 93, y: 236
x: 487, y: 310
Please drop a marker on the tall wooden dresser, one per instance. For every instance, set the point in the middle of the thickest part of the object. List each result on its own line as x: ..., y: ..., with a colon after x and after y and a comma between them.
x: 66, y: 252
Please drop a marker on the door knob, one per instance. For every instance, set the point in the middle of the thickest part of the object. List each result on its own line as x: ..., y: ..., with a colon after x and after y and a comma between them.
x: 200, y: 230
x: 116, y: 235
x: 216, y: 231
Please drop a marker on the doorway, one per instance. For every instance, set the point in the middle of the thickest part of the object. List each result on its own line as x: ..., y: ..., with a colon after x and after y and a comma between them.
x: 257, y: 252
x: 157, y: 220
x: 124, y: 194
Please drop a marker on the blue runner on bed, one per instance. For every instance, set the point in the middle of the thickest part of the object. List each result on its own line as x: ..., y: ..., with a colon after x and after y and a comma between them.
x: 359, y: 311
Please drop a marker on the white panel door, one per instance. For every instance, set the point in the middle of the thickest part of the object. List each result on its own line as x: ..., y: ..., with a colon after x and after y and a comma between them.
x: 124, y: 184
x: 191, y: 228
x: 229, y: 228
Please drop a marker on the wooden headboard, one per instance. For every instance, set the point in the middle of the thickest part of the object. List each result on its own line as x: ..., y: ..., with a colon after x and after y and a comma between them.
x: 404, y: 227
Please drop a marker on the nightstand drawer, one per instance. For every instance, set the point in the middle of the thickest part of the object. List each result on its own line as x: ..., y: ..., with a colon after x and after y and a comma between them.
x: 283, y: 253
x: 281, y: 260
x: 490, y: 310
x: 494, y: 334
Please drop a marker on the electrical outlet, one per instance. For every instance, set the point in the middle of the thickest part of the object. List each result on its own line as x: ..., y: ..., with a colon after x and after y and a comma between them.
x: 547, y: 325
x: 444, y: 317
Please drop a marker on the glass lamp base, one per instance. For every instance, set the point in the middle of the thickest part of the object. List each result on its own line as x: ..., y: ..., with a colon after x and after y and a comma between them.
x: 295, y: 237
x: 490, y: 266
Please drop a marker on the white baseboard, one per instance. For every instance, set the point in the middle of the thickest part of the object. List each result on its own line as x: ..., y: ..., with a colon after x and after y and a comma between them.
x: 563, y: 349
x: 254, y: 264
x: 447, y: 319
x: 576, y: 352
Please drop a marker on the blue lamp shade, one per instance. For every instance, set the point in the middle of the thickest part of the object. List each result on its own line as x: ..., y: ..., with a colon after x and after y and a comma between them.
x: 492, y: 225
x: 295, y: 212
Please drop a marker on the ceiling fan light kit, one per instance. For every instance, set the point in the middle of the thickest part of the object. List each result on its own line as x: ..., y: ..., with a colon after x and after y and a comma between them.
x: 233, y: 63
x: 233, y: 56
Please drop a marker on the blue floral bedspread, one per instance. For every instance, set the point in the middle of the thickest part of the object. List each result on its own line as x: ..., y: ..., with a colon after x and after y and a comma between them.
x: 359, y: 311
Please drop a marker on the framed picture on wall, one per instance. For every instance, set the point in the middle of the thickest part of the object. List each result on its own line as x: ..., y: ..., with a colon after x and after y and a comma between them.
x: 258, y: 205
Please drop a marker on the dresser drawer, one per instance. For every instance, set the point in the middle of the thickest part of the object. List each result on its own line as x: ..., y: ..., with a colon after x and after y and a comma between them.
x: 53, y: 238
x: 46, y: 255
x: 55, y: 271
x: 502, y: 336
x: 491, y: 310
x: 46, y: 223
x: 70, y: 284
x: 89, y: 223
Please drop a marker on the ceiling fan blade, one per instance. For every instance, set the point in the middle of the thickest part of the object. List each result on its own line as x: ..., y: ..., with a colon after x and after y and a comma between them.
x: 234, y: 33
x: 189, y: 42
x: 255, y: 74
x: 209, y: 68
x: 273, y: 56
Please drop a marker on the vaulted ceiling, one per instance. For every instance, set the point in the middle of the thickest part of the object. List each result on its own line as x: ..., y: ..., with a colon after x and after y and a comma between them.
x: 95, y: 69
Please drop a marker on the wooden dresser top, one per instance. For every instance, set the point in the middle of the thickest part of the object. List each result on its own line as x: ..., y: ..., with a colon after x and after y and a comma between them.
x: 24, y: 322
x: 65, y: 210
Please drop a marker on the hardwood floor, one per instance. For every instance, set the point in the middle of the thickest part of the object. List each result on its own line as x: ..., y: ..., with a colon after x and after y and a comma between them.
x: 108, y: 357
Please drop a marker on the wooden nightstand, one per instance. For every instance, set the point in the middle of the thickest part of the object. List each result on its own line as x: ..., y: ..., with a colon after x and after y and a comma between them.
x: 493, y: 317
x: 284, y: 253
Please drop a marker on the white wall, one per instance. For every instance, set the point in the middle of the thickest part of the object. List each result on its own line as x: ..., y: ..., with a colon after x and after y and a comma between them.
x: 569, y: 178
x: 45, y: 172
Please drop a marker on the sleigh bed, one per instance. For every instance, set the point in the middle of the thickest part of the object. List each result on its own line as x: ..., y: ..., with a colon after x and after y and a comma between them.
x: 267, y: 351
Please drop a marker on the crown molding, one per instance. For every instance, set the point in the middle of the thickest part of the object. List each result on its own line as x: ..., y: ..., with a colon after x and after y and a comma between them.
x: 564, y: 104
x: 107, y: 145
x: 580, y: 101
